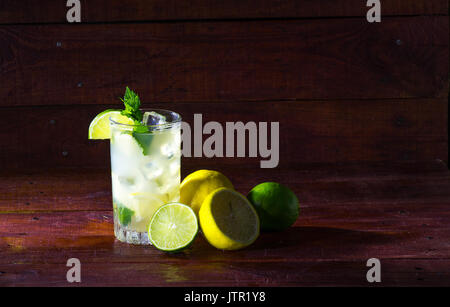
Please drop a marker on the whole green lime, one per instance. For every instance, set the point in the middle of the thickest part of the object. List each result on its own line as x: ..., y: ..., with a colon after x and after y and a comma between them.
x: 276, y: 205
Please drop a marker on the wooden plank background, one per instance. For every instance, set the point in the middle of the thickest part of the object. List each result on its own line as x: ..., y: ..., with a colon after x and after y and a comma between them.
x: 342, y: 89
x: 226, y: 61
x: 47, y: 11
x: 310, y: 131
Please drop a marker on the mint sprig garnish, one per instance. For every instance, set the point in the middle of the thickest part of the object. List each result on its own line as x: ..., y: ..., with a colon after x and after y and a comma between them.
x: 132, y: 103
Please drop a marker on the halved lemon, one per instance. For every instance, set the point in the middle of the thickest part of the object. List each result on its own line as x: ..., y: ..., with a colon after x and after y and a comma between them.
x: 197, y: 185
x: 228, y: 220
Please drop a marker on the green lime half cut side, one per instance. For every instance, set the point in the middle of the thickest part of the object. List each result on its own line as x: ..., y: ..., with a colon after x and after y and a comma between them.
x: 100, y: 129
x: 173, y: 227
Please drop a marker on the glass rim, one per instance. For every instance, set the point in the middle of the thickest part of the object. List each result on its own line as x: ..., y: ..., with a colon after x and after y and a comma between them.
x: 166, y: 125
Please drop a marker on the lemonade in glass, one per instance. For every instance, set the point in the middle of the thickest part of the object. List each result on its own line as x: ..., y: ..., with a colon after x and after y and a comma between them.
x: 145, y: 171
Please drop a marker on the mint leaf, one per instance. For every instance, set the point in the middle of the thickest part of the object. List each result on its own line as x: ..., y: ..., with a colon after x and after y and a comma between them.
x: 132, y: 103
x: 144, y: 141
x: 124, y: 214
x: 140, y: 128
x: 142, y: 137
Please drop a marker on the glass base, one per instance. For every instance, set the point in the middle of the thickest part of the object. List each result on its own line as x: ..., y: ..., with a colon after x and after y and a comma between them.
x: 126, y: 235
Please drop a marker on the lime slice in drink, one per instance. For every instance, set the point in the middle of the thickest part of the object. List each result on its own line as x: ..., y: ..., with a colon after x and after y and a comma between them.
x: 99, y: 129
x: 173, y: 227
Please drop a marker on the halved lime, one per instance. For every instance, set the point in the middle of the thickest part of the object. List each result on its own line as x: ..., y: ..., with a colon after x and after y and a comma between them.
x: 99, y: 129
x: 173, y: 227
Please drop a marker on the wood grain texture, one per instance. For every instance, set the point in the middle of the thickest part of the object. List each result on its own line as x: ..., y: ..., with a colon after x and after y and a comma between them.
x: 225, y: 61
x: 310, y: 132
x: 47, y: 11
x: 396, y: 212
x: 47, y: 190
x: 237, y: 274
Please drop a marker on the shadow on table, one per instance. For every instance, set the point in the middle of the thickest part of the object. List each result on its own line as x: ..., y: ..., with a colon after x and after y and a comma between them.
x: 293, y: 243
x: 320, y: 241
x: 283, y: 252
x: 297, y: 242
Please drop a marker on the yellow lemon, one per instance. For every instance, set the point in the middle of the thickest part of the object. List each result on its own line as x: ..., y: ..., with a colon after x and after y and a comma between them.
x: 197, y: 185
x: 228, y: 220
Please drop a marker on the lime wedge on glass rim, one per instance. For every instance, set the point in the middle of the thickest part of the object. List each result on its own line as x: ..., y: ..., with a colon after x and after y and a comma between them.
x: 99, y: 129
x: 173, y: 227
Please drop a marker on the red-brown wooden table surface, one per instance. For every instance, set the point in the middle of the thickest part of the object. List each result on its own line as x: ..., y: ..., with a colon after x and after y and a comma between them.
x: 398, y: 213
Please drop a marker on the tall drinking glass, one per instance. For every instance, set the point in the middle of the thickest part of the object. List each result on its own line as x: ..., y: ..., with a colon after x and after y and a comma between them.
x: 145, y: 172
